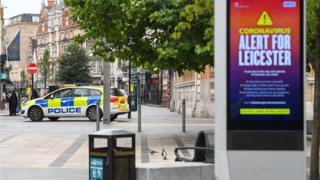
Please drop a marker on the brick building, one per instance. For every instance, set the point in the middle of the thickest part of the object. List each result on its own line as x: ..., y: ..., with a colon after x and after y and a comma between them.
x: 27, y: 24
x: 55, y: 32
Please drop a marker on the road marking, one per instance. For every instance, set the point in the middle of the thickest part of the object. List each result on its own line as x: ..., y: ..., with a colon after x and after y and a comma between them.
x: 7, y: 138
x: 65, y: 156
x: 144, y: 149
x: 180, y: 144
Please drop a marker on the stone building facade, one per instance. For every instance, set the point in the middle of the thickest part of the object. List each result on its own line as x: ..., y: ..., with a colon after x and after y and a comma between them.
x: 198, y: 91
x: 55, y: 32
x: 27, y: 24
x: 309, y: 94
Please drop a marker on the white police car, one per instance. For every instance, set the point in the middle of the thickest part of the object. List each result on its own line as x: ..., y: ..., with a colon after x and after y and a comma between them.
x: 74, y: 102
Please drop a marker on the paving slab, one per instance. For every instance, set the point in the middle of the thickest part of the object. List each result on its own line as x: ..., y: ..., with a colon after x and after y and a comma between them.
x: 59, y: 150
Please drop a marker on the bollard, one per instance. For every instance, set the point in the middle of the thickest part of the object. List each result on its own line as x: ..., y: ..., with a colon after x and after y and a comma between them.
x: 98, y: 116
x: 139, y: 116
x: 129, y: 101
x: 183, y: 115
x: 139, y: 107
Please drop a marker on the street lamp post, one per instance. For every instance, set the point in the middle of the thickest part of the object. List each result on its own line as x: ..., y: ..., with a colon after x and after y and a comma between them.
x: 1, y: 37
x: 106, y: 92
x: 129, y: 91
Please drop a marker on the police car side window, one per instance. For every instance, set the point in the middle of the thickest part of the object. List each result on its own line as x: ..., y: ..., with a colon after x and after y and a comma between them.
x: 57, y: 94
x: 94, y: 92
x: 62, y: 93
x: 66, y: 93
x: 79, y: 92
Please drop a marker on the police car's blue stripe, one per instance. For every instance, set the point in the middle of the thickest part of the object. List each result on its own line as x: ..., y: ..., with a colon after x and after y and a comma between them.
x: 93, y: 99
x: 64, y: 102
x: 69, y: 101
x: 42, y: 102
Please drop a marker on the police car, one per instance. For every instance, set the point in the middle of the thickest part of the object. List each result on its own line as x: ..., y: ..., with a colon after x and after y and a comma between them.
x: 74, y: 102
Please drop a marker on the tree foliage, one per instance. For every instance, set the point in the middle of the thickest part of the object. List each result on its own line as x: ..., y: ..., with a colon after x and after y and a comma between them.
x: 313, y: 55
x: 192, y: 39
x: 73, y: 66
x: 153, y: 34
x: 313, y: 8
x: 45, y: 67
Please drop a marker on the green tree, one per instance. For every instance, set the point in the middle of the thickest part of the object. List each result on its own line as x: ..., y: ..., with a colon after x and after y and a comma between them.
x: 192, y: 38
x: 154, y: 34
x: 45, y: 67
x: 313, y: 55
x: 73, y: 66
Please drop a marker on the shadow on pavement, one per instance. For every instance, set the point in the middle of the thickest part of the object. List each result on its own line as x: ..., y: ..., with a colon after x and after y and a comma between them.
x: 122, y: 120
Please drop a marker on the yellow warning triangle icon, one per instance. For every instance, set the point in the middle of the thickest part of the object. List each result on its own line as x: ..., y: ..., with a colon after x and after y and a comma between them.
x: 264, y: 19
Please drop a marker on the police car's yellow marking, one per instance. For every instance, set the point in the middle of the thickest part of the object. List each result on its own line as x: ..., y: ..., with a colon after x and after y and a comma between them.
x: 54, y: 103
x: 30, y: 103
x: 81, y: 101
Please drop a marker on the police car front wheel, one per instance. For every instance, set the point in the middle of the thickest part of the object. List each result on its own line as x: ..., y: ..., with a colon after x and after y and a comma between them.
x: 35, y: 113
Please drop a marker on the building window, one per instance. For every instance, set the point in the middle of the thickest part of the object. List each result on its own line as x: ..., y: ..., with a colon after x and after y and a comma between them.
x: 57, y: 21
x: 67, y: 21
x: 43, y: 27
x: 54, y: 51
x: 97, y: 66
x: 70, y: 34
x: 35, y: 18
x: 50, y: 23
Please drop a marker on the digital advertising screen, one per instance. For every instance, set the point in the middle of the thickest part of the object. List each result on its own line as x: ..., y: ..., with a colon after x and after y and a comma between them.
x: 265, y: 65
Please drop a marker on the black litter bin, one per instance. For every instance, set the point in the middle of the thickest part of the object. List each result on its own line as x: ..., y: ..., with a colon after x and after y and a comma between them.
x: 112, y: 155
x: 203, y: 149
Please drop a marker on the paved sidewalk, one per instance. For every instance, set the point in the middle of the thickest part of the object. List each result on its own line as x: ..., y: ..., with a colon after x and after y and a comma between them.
x: 162, y: 129
x: 59, y: 150
x: 48, y: 150
x: 4, y: 112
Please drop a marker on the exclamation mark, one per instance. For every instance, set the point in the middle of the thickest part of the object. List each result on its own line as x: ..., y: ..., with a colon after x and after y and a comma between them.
x: 264, y: 18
